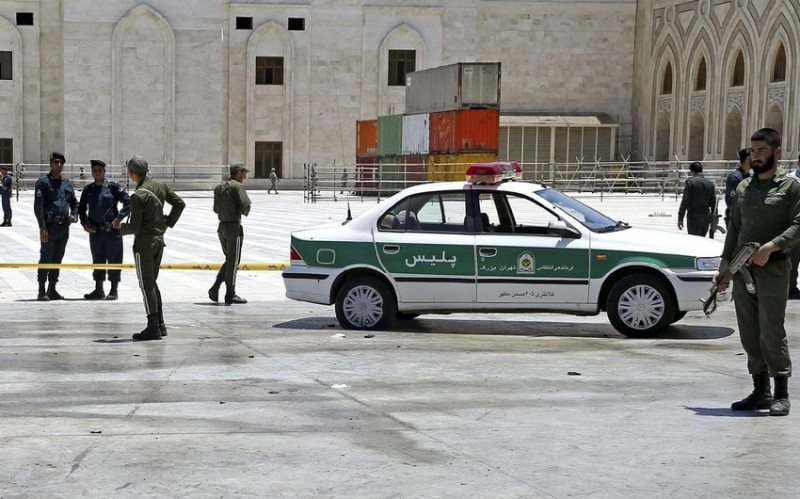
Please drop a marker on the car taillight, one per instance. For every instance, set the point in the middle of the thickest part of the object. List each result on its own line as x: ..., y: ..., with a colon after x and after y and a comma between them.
x: 293, y: 254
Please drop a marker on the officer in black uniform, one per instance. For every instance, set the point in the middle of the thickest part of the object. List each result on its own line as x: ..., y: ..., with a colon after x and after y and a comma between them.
x: 101, y: 219
x: 5, y: 187
x: 148, y: 224
x: 55, y: 207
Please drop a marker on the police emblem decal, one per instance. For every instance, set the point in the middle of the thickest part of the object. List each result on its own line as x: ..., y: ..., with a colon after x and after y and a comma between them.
x: 526, y: 264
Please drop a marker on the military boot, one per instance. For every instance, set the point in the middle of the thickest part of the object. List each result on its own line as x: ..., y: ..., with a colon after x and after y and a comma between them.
x: 112, y: 293
x: 213, y: 293
x: 161, y: 326
x: 780, y: 406
x: 761, y: 398
x: 232, y: 298
x: 151, y: 332
x: 98, y: 293
x: 52, y: 293
x: 42, y: 293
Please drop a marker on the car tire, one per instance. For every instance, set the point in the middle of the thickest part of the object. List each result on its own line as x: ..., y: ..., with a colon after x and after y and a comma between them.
x: 406, y: 316
x: 640, y: 305
x: 365, y: 303
x: 678, y: 316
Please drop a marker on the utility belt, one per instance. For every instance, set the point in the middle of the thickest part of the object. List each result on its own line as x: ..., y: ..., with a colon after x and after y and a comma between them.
x: 106, y: 227
x: 52, y: 219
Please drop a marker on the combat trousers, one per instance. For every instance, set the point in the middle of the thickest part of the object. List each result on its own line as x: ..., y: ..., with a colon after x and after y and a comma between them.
x: 231, y: 236
x: 7, y: 206
x: 698, y: 224
x: 106, y: 247
x: 53, y: 251
x: 147, y: 253
x: 761, y: 316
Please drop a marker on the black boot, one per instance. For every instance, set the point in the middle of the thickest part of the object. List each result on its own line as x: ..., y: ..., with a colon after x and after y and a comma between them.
x: 98, y: 293
x: 52, y: 293
x: 151, y: 332
x: 780, y: 406
x: 232, y: 298
x: 761, y: 398
x: 112, y: 294
x: 42, y: 293
x: 162, y: 328
x: 213, y: 293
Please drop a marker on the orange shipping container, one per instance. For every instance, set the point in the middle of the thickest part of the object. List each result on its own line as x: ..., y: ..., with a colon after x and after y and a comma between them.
x: 464, y: 131
x: 366, y: 137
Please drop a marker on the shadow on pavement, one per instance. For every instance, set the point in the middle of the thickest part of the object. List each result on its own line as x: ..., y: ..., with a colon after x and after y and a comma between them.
x: 517, y: 328
x: 726, y: 412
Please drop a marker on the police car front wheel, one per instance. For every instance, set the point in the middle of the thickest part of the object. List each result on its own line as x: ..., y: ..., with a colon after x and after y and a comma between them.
x: 366, y: 303
x: 640, y: 305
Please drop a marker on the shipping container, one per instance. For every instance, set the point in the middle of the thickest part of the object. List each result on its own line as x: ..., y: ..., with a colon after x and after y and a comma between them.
x: 366, y: 178
x: 467, y: 130
x: 416, y: 133
x: 392, y: 179
x: 367, y: 137
x: 390, y: 135
x: 453, y: 167
x: 416, y: 169
x: 464, y: 85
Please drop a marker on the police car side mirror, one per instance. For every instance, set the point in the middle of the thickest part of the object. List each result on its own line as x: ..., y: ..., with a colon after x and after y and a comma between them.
x: 559, y: 227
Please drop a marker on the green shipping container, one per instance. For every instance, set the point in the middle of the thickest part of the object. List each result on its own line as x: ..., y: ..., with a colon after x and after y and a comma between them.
x: 390, y: 135
x: 391, y: 175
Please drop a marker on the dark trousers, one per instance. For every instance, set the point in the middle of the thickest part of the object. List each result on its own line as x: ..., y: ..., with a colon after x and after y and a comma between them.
x: 147, y: 253
x: 231, y: 236
x: 53, y: 250
x: 698, y: 225
x: 7, y: 206
x: 106, y: 247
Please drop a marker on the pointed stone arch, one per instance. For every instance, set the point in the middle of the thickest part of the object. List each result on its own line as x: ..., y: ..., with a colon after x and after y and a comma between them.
x: 265, y: 104
x: 776, y: 97
x: 774, y: 118
x: 403, y: 37
x: 733, y: 134
x: 663, y: 137
x: 697, y: 134
x: 11, y: 103
x: 143, y: 87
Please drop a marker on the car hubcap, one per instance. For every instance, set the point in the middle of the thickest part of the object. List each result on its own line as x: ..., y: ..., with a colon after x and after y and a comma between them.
x: 363, y: 306
x: 641, y: 307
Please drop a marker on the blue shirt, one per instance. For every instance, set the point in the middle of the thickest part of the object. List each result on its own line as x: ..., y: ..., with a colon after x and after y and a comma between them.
x: 54, y: 196
x: 101, y: 202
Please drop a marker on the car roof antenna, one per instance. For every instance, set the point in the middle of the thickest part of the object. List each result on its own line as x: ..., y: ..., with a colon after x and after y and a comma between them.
x: 349, y: 216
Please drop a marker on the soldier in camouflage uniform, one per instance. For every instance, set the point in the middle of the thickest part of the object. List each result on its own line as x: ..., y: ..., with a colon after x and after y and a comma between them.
x: 230, y: 203
x: 766, y: 210
x: 148, y: 223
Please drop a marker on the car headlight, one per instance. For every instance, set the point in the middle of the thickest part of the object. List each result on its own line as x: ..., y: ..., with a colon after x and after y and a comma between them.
x: 711, y: 263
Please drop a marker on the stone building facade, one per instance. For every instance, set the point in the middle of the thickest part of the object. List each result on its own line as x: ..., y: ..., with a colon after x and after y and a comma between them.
x: 281, y: 83
x: 710, y: 72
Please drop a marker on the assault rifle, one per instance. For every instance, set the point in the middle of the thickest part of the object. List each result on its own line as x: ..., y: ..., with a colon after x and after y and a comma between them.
x: 738, y: 264
x: 715, y: 225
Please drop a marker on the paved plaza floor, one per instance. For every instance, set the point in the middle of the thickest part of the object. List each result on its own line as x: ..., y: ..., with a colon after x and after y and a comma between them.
x: 274, y: 399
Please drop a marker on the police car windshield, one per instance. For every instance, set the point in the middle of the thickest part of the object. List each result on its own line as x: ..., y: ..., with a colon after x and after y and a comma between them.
x: 589, y: 217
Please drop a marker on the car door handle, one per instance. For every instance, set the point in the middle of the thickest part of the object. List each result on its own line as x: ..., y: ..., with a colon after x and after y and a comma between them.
x: 488, y: 252
x: 391, y: 249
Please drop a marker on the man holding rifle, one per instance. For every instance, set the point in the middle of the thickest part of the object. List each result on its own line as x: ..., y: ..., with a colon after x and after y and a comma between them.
x: 766, y: 210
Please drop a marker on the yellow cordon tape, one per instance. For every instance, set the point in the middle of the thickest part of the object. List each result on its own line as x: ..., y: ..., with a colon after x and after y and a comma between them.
x: 130, y: 266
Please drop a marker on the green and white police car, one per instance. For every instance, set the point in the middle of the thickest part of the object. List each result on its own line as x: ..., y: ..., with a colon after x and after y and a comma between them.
x: 498, y: 244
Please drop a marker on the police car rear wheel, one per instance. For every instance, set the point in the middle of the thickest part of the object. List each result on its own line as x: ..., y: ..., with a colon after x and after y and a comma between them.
x: 640, y: 305
x: 365, y: 303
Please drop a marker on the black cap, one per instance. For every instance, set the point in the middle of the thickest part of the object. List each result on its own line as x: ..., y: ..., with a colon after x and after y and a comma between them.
x: 57, y: 156
x: 98, y: 162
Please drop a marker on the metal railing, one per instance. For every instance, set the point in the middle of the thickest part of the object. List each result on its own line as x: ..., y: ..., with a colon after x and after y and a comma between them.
x: 331, y: 182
